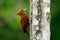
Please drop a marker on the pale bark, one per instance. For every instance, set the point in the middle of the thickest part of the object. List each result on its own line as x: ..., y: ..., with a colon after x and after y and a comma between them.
x: 39, y: 19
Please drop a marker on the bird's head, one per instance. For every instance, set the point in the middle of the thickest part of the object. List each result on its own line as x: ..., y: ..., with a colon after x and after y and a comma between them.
x: 20, y: 12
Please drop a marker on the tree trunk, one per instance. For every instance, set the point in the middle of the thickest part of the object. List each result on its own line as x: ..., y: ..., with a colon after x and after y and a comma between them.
x: 40, y: 19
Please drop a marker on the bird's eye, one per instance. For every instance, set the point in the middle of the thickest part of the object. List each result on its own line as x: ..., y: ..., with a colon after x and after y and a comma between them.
x: 20, y: 13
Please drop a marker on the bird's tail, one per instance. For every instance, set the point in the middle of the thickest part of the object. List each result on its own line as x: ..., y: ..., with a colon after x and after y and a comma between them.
x: 27, y: 31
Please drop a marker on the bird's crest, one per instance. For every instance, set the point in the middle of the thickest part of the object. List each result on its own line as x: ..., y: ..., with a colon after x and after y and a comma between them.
x: 21, y: 9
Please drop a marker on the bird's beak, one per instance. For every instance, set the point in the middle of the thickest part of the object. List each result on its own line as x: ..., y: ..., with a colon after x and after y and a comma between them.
x: 17, y: 13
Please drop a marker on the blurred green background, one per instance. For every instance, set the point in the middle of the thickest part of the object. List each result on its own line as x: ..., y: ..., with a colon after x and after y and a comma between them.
x: 10, y: 28
x: 55, y: 19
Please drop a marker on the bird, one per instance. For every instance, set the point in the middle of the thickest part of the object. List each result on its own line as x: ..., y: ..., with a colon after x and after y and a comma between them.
x: 24, y: 21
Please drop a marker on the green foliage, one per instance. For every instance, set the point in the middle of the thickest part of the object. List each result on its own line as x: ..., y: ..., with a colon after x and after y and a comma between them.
x: 55, y: 20
x: 10, y: 28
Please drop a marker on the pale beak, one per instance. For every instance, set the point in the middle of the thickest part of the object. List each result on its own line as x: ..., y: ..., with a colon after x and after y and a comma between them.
x: 17, y: 13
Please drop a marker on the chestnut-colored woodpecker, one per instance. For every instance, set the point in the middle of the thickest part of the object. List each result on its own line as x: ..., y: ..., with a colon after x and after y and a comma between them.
x: 24, y: 21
